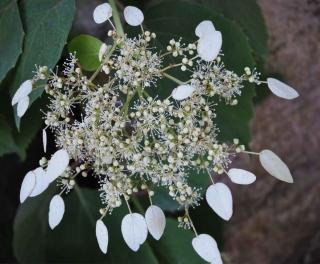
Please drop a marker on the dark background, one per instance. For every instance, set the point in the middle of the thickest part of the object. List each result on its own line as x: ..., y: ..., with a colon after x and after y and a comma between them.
x: 273, y: 222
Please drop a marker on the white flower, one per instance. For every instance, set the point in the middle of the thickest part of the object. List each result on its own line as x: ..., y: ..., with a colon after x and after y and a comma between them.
x: 156, y: 221
x: 56, y: 211
x: 204, y: 28
x: 133, y: 16
x: 44, y: 140
x: 207, y: 248
x: 57, y: 164
x: 23, y: 105
x: 102, y: 236
x: 209, y: 46
x: 240, y: 176
x: 281, y: 89
x: 134, y: 230
x: 219, y: 198
x: 102, y: 13
x: 182, y: 92
x: 275, y: 166
x: 23, y: 91
x: 27, y: 186
x: 42, y: 182
x: 102, y: 51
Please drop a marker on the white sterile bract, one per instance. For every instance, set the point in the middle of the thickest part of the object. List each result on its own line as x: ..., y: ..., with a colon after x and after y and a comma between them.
x: 23, y: 105
x: 27, y: 186
x: 219, y: 198
x: 42, y: 182
x: 209, y: 46
x: 156, y: 221
x: 182, y: 92
x: 102, y: 51
x: 204, y: 28
x: 133, y: 16
x: 281, y: 89
x: 207, y: 248
x: 23, y: 91
x: 134, y: 230
x: 275, y: 166
x: 102, y: 236
x: 56, y: 211
x: 44, y: 140
x: 57, y: 164
x: 102, y: 13
x: 240, y: 176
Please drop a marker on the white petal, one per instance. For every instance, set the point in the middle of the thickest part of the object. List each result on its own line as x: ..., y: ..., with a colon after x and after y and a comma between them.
x: 156, y: 221
x: 42, y: 182
x: 102, y: 50
x: 240, y: 176
x: 281, y: 89
x: 275, y: 166
x: 133, y: 16
x: 56, y: 211
x: 182, y: 92
x: 219, y: 198
x: 57, y: 164
x: 134, y: 230
x: 207, y: 248
x: 23, y: 105
x: 204, y: 28
x: 44, y: 140
x: 27, y: 186
x: 23, y: 91
x: 209, y: 46
x: 102, y: 13
x: 102, y: 236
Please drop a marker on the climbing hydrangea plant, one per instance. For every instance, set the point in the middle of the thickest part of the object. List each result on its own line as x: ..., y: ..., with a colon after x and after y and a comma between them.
x: 129, y: 140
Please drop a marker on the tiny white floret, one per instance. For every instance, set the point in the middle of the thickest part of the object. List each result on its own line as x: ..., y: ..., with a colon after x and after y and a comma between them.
x: 134, y: 230
x: 240, y: 176
x: 156, y: 221
x: 133, y: 16
x: 207, y: 248
x: 281, y: 89
x: 102, y: 236
x: 27, y: 186
x: 182, y: 92
x: 275, y: 166
x: 219, y: 198
x: 56, y: 211
x: 102, y: 13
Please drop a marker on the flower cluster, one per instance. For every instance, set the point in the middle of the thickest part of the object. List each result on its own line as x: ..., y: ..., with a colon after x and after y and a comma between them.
x: 132, y: 142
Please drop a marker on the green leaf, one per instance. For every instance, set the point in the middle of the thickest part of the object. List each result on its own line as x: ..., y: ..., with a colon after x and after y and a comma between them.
x: 47, y: 25
x: 87, y: 50
x: 7, y: 143
x: 11, y: 36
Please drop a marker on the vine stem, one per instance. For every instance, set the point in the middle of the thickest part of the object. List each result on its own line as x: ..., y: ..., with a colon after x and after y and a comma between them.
x: 172, y: 78
x: 116, y: 18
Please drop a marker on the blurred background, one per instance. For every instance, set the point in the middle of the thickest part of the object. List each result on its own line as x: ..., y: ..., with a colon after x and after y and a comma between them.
x: 273, y: 222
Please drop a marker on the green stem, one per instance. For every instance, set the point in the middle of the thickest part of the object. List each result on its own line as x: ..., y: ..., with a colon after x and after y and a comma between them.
x: 172, y: 78
x: 116, y: 18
